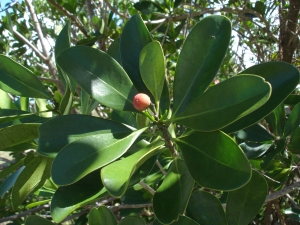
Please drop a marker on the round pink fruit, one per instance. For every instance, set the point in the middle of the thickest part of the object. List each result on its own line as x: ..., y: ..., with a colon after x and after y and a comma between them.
x: 141, y: 101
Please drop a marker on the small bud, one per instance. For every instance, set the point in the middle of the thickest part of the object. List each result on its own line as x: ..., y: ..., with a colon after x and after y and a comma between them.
x: 141, y: 101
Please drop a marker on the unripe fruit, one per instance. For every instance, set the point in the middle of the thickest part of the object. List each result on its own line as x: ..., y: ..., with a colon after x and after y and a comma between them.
x: 141, y: 101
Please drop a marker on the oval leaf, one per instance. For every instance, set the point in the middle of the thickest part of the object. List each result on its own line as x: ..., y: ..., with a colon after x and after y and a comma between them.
x: 294, y: 145
x: 215, y: 161
x: 99, y: 75
x: 171, y: 198
x: 58, y: 132
x: 31, y: 179
x: 116, y: 176
x: 7, y: 115
x: 200, y: 59
x: 243, y: 204
x: 134, y: 37
x: 233, y: 99
x: 283, y: 78
x: 206, y: 209
x: 90, y: 153
x: 152, y: 68
x: 183, y: 220
x: 18, y: 80
x: 34, y: 220
x: 68, y: 198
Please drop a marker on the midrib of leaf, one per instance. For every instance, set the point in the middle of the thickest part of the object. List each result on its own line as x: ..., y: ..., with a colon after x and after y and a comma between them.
x: 213, y: 159
x: 219, y: 109
x: 239, y: 219
x: 198, y: 74
x: 97, y: 78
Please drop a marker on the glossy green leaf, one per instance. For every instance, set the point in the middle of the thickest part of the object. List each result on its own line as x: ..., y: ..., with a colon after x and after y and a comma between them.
x: 206, y: 209
x: 90, y: 153
x: 294, y: 145
x: 31, y: 179
x: 272, y: 152
x: 68, y: 198
x: 34, y: 220
x: 293, y: 121
x: 116, y: 176
x: 214, y: 160
x: 102, y: 216
x: 6, y: 101
x: 233, y: 99
x: 7, y: 115
x: 152, y: 68
x: 132, y: 220
x: 11, y: 168
x: 88, y: 104
x: 114, y: 50
x: 125, y: 117
x: 183, y: 220
x: 17, y: 134
x: 254, y: 150
x: 21, y: 147
x: 134, y: 37
x: 59, y: 132
x: 9, y: 182
x: 254, y: 133
x: 18, y: 80
x: 99, y: 75
x: 171, y: 198
x: 42, y: 108
x: 276, y: 120
x: 200, y: 59
x: 243, y: 204
x: 283, y: 78
x: 66, y: 102
x: 148, y: 7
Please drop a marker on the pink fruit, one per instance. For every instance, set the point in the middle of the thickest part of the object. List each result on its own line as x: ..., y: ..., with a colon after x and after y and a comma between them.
x: 141, y: 101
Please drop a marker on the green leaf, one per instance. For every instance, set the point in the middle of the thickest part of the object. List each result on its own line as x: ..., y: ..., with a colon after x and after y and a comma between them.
x: 11, y: 168
x: 18, y: 80
x: 283, y: 78
x: 9, y: 182
x: 99, y: 75
x: 171, y: 198
x: 6, y: 101
x: 125, y: 117
x: 272, y: 152
x: 254, y: 150
x: 183, y: 220
x: 206, y: 209
x: 276, y: 120
x: 114, y: 50
x: 152, y: 68
x: 293, y: 121
x: 233, y: 99
x: 68, y: 198
x: 132, y: 220
x: 134, y: 37
x: 215, y: 161
x: 255, y: 133
x: 31, y: 179
x: 34, y: 220
x: 17, y: 134
x: 294, y: 145
x: 243, y: 204
x: 148, y: 7
x: 59, y: 132
x: 7, y: 115
x: 90, y: 153
x: 116, y: 176
x: 200, y: 59
x: 102, y: 216
x: 66, y: 102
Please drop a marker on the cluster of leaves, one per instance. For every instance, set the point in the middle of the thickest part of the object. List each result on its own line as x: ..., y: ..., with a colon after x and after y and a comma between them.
x: 199, y: 145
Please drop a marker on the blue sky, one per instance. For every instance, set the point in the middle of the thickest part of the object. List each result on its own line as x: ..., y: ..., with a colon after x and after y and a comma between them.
x: 4, y: 2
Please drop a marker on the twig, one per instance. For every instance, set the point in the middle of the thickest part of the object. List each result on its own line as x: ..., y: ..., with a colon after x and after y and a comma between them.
x: 282, y: 192
x: 114, y: 10
x: 73, y: 18
x: 25, y: 213
x: 147, y: 187
x: 160, y: 167
x: 125, y: 206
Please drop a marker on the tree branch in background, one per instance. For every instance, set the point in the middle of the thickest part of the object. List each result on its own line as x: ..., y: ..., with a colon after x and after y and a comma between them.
x: 115, y: 11
x: 73, y: 18
x: 282, y: 192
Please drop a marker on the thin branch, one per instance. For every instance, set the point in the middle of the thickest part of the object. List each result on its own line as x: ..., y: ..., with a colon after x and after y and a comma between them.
x: 73, y: 18
x: 160, y: 167
x: 115, y: 11
x: 282, y: 192
x: 147, y: 187
x: 25, y: 213
x: 125, y: 206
